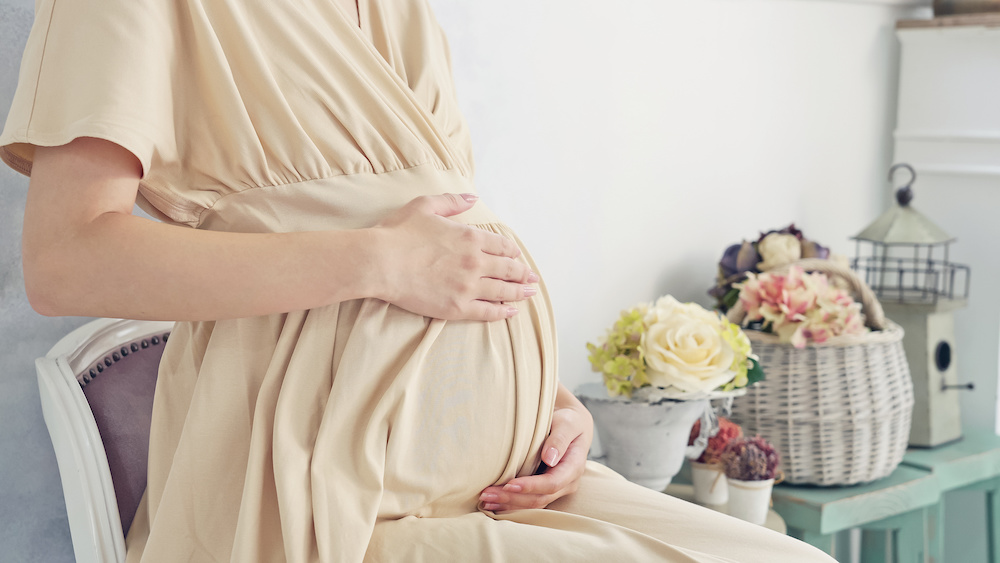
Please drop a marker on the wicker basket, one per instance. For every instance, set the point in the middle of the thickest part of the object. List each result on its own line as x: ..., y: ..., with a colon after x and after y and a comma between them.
x: 838, y: 412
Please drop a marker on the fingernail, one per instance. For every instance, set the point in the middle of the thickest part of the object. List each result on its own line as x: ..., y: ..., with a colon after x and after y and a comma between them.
x: 511, y: 311
x: 550, y: 456
x: 487, y: 497
x: 512, y: 488
x: 532, y: 277
x: 529, y: 291
x: 491, y: 506
x: 471, y: 198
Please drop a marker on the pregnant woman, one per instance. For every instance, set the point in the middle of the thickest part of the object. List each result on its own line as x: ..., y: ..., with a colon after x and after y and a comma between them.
x: 364, y: 366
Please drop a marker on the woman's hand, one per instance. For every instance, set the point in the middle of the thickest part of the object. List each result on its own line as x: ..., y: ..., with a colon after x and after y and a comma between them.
x: 432, y: 266
x: 564, y: 453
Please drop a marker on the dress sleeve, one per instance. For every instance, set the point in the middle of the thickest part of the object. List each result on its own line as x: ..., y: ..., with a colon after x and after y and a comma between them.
x: 94, y: 68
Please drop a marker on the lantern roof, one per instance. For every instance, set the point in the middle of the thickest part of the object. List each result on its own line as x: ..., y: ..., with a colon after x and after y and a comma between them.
x: 902, y: 224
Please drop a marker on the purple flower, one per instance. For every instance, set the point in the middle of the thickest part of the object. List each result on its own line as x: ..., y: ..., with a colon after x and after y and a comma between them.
x: 812, y: 249
x: 727, y: 266
x: 747, y: 259
x: 738, y: 258
x: 789, y: 230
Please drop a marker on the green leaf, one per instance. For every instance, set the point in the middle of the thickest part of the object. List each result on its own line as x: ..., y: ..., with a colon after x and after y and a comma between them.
x: 755, y: 373
x: 730, y: 298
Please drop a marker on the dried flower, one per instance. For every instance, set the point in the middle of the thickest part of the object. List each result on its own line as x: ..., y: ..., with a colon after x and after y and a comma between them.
x: 750, y: 459
x: 727, y: 431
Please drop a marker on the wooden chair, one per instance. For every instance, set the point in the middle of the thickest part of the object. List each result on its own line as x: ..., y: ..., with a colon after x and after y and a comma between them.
x: 96, y: 388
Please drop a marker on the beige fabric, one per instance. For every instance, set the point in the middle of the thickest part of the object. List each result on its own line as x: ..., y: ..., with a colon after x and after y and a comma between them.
x: 356, y: 431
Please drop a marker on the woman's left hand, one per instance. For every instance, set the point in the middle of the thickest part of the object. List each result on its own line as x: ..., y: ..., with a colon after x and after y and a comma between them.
x: 564, y: 453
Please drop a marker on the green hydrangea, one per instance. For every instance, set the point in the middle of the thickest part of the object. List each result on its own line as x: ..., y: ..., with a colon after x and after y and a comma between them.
x: 745, y: 364
x: 618, y: 355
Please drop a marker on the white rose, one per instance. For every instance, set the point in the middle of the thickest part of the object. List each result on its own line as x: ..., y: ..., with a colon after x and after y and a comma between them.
x: 684, y: 347
x: 778, y: 249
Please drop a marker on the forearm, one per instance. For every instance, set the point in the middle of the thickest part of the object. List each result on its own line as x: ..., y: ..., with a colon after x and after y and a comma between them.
x: 566, y: 399
x: 120, y: 265
x: 85, y: 254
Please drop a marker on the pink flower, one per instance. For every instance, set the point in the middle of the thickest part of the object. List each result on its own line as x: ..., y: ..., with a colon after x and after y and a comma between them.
x: 800, y: 307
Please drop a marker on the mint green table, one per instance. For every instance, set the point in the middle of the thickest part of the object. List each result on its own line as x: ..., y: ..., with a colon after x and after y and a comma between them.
x: 972, y: 463
x: 896, y: 509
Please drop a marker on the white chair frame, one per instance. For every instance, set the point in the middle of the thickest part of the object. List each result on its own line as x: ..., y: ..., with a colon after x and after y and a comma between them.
x: 91, y: 505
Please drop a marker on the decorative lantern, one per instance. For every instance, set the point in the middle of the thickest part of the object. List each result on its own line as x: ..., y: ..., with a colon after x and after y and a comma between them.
x: 909, y: 271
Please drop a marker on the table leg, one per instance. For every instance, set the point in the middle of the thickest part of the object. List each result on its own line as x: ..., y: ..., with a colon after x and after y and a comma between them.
x: 993, y: 521
x: 909, y: 545
x: 935, y: 532
x: 905, y: 533
x: 824, y: 542
x: 992, y: 489
x: 875, y: 545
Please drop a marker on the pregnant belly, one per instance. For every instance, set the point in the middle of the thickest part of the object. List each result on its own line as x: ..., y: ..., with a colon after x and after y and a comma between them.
x: 468, y: 408
x: 453, y: 421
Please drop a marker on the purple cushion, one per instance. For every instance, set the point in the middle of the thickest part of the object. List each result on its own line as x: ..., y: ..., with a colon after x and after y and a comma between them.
x: 121, y: 397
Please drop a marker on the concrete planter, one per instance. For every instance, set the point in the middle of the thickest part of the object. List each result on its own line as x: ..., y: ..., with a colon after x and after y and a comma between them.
x: 644, y: 441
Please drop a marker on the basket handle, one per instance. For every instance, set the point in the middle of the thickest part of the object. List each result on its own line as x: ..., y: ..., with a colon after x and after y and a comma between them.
x: 874, y: 316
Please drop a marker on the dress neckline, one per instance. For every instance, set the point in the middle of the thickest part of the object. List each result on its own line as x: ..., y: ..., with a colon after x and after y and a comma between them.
x: 359, y: 23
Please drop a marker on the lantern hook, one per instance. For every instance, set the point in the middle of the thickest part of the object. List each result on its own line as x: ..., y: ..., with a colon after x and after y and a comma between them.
x: 904, y: 195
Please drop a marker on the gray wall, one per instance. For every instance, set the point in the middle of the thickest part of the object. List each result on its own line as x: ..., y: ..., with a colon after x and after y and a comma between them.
x: 33, y: 524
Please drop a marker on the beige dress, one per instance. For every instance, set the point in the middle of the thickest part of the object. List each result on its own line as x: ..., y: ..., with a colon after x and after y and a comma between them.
x: 356, y: 431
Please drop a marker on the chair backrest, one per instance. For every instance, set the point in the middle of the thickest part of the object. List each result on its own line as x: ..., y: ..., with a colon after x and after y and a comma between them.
x: 96, y: 389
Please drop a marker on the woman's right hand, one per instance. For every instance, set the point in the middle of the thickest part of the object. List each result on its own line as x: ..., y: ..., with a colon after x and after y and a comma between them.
x: 436, y: 267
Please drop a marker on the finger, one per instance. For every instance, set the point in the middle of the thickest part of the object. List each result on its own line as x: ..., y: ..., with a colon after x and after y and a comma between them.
x: 487, y: 311
x: 445, y: 205
x: 499, y: 245
x: 555, y: 479
x: 520, y: 501
x: 563, y: 432
x: 498, y: 291
x: 508, y: 269
x: 508, y: 500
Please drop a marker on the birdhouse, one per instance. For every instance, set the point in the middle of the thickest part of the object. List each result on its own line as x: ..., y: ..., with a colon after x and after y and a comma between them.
x: 908, y: 268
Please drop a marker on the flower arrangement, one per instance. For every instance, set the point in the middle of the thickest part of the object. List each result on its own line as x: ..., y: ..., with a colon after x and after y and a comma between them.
x: 675, y: 346
x: 799, y: 307
x: 750, y: 459
x: 727, y: 432
x: 771, y: 250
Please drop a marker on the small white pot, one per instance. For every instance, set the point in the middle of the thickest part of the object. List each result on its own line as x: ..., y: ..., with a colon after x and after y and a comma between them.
x: 750, y: 500
x: 710, y: 486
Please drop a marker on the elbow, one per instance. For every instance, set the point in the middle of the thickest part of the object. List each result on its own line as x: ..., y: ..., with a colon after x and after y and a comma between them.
x: 42, y: 286
x: 41, y: 304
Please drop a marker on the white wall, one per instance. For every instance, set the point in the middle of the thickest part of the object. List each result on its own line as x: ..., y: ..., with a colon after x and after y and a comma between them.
x: 629, y: 142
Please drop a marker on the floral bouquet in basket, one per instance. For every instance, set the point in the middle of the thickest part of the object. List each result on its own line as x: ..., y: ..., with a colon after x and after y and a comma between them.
x: 771, y: 250
x: 779, y: 297
x: 679, y: 348
x: 799, y: 307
